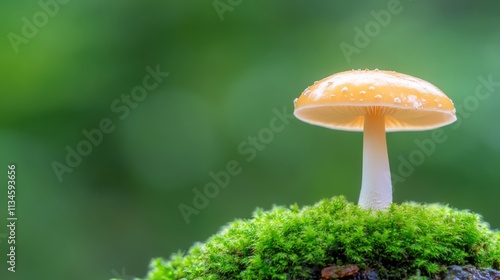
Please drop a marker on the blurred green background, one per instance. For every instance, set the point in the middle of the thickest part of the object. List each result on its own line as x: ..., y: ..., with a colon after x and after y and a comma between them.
x: 228, y: 69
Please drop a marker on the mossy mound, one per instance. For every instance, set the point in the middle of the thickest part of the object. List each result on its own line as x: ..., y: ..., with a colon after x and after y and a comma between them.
x: 293, y: 243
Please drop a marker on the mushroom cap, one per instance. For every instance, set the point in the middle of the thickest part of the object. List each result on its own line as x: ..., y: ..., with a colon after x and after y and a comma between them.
x: 341, y: 101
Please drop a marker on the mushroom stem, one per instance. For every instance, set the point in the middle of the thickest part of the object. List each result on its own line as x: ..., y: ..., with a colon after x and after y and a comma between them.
x: 376, y: 185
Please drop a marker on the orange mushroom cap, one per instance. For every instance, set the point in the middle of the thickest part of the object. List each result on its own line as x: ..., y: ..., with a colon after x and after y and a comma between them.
x: 341, y: 101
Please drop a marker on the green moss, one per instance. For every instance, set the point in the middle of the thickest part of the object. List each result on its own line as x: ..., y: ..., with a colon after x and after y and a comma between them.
x: 293, y: 243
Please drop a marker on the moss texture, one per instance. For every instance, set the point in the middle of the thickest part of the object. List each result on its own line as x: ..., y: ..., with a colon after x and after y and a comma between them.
x: 293, y: 243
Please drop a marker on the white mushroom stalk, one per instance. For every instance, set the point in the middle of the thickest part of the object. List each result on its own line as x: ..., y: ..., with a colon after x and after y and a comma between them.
x: 376, y: 186
x: 374, y: 102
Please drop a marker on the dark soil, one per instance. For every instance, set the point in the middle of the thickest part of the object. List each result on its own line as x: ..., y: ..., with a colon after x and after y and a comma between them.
x: 454, y: 272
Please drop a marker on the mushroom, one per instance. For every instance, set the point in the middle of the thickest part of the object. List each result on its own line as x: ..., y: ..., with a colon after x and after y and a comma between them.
x: 374, y: 102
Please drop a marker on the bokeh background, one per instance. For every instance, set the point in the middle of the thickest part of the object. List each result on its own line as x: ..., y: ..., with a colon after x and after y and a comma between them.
x: 228, y: 70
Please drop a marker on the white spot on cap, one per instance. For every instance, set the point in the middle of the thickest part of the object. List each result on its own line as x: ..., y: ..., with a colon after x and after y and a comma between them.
x: 397, y: 100
x: 306, y: 91
x: 371, y: 88
x: 362, y: 92
x: 414, y: 100
x: 295, y: 101
x: 378, y: 96
x: 344, y: 89
x: 440, y: 105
